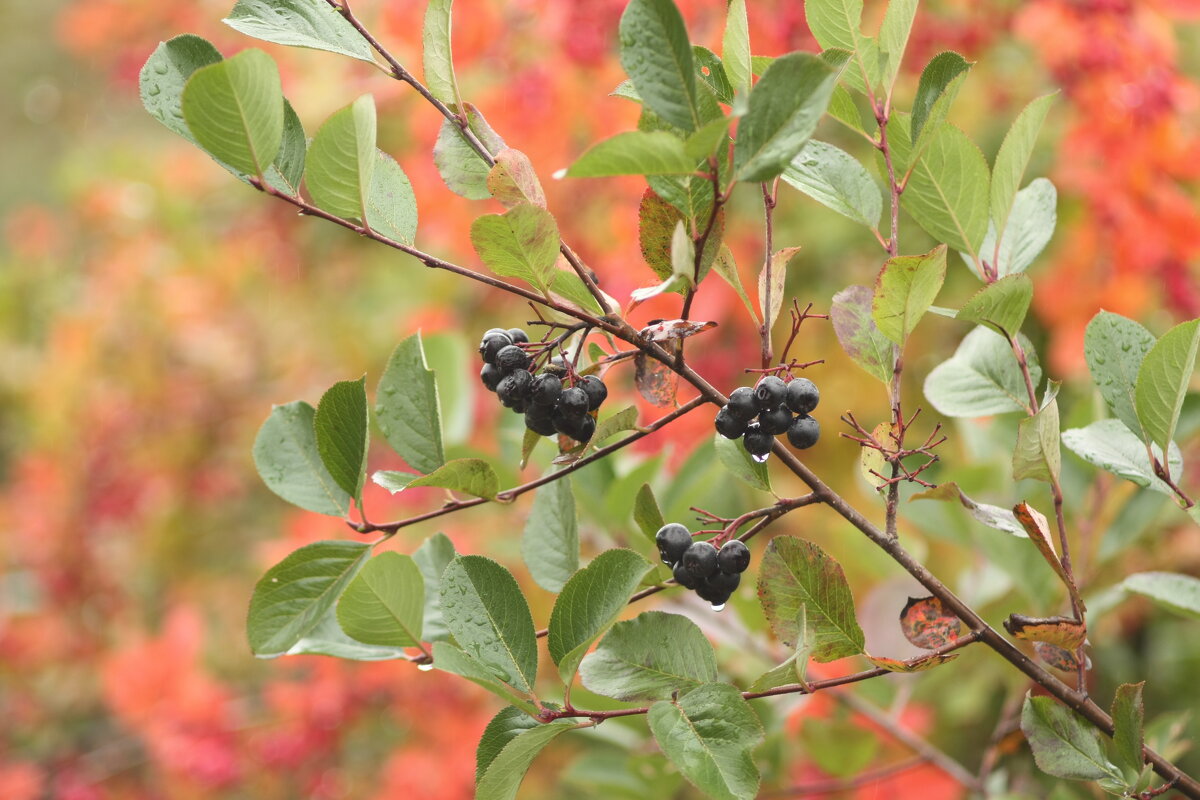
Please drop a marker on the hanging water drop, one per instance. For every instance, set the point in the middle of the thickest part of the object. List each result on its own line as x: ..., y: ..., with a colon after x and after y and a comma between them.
x: 718, y: 606
x: 761, y: 459
x: 425, y: 667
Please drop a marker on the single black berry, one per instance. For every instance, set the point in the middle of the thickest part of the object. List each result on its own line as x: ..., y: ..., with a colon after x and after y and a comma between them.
x: 769, y: 392
x: 573, y: 402
x: 682, y: 577
x: 757, y: 441
x: 804, y: 432
x: 700, y: 560
x: 517, y: 335
x: 511, y: 358
x: 802, y: 396
x: 493, y: 342
x: 490, y: 376
x: 546, y: 390
x: 776, y: 420
x: 729, y: 425
x: 733, y: 557
x: 672, y: 540
x: 595, y: 390
x: 582, y: 430
x: 718, y: 587
x: 513, y: 389
x: 742, y: 404
x: 540, y: 421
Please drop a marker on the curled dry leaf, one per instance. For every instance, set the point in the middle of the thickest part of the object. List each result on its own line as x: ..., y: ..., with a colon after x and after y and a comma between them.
x: 665, y: 329
x: 1058, y: 658
x: 1061, y: 631
x: 914, y: 664
x: 928, y: 624
x: 655, y: 380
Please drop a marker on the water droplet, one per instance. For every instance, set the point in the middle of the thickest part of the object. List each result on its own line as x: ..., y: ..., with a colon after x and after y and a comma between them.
x: 761, y: 459
x: 161, y: 69
x: 153, y: 91
x: 424, y: 667
x: 718, y: 606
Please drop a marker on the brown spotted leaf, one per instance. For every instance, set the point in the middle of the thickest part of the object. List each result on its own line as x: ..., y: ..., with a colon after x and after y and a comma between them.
x: 1056, y: 657
x: 928, y: 624
x: 858, y: 334
x: 512, y: 180
x: 656, y: 225
x: 655, y: 380
x: 1038, y: 528
x: 914, y: 664
x: 1062, y: 631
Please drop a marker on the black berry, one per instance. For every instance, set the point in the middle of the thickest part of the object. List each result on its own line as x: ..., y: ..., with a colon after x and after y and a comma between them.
x: 770, y: 392
x: 490, y: 376
x: 493, y: 342
x: 672, y: 540
x: 511, y: 358
x: 802, y: 396
x: 540, y: 421
x: 517, y: 335
x: 700, y: 560
x: 733, y: 557
x: 742, y: 404
x: 775, y: 421
x: 718, y: 588
x: 513, y: 389
x: 595, y: 390
x: 546, y: 390
x: 729, y: 425
x: 579, y: 428
x: 804, y: 432
x: 682, y: 577
x: 757, y: 441
x: 573, y: 402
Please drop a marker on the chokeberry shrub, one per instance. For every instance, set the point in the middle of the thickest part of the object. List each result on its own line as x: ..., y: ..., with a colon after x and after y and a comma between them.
x: 713, y: 127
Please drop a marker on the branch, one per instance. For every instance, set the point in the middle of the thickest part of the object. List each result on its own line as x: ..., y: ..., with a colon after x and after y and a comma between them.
x: 838, y: 785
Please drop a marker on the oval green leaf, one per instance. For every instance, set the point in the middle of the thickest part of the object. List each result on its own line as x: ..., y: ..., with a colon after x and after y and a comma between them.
x: 385, y: 603
x: 287, y: 459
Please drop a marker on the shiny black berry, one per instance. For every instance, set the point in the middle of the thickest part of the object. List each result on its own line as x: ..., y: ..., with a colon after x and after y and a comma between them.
x: 718, y: 587
x: 490, y: 376
x: 493, y: 342
x: 700, y: 560
x: 769, y: 392
x: 757, y: 441
x: 804, y: 432
x: 733, y: 557
x: 517, y: 335
x: 573, y: 402
x: 672, y: 540
x: 802, y: 396
x: 580, y: 429
x: 546, y: 390
x: 682, y: 577
x: 729, y: 425
x: 511, y: 358
x: 742, y: 404
x: 595, y: 390
x: 775, y: 421
x: 513, y: 389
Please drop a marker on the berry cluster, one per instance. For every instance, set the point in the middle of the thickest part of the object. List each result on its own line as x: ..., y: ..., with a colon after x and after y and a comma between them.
x: 713, y: 573
x: 555, y: 400
x: 780, y: 408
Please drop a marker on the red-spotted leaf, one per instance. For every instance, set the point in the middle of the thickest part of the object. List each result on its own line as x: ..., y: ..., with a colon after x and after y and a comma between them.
x: 928, y: 624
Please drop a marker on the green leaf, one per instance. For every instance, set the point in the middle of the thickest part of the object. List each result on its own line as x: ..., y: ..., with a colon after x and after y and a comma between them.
x: 1030, y: 227
x: 550, y: 544
x: 893, y: 36
x: 509, y: 723
x: 735, y: 46
x: 771, y: 285
x: 711, y: 140
x: 461, y: 168
x: 734, y: 458
x: 1110, y: 445
x: 407, y: 407
x: 512, y: 180
x: 1173, y: 591
x: 589, y: 604
x: 657, y: 57
x: 936, y: 90
x: 472, y: 476
x: 1013, y: 157
x: 904, y: 290
x: 503, y: 775
x: 341, y: 161
x: 1163, y: 381
x: 287, y: 170
x: 448, y: 658
x: 623, y: 420
x: 342, y: 435
x: 437, y: 54
x: 299, y: 23
x: 836, y: 24
x: 1037, y: 453
x: 234, y: 109
x: 709, y: 734
x: 982, y: 377
x: 843, y: 109
x: 634, y: 153
x: 432, y: 557
x: 1000, y: 306
x: 1128, y: 715
x: 785, y: 106
x: 947, y: 192
x: 567, y: 285
x: 489, y: 618
x: 797, y: 574
x: 711, y: 73
x: 794, y: 668
x: 657, y: 222
x: 326, y: 638
x: 860, y: 337
x: 391, y: 204
x: 286, y: 456
x: 1064, y: 744
x: 646, y: 512
x: 1114, y: 347
x: 650, y: 657
x: 520, y: 243
x: 836, y: 180
x: 295, y: 594
x: 385, y: 603
x: 724, y: 266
